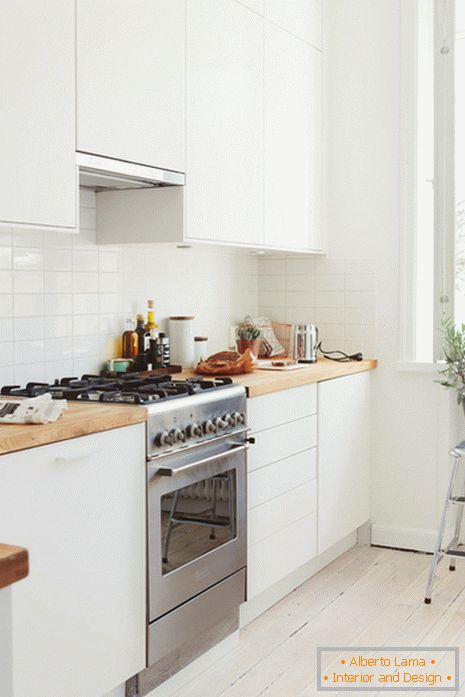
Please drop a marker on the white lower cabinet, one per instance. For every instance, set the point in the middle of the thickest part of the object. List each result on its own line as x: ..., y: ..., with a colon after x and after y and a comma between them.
x: 282, y: 489
x: 79, y: 508
x: 343, y: 457
x: 308, y: 479
x: 279, y: 555
x: 6, y: 677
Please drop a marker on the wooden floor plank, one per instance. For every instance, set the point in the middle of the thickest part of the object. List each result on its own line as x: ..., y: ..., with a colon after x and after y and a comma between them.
x: 368, y: 596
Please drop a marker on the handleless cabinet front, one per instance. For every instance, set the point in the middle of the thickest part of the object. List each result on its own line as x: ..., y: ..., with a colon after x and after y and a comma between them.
x: 224, y: 127
x: 130, y: 80
x: 79, y: 507
x: 37, y: 117
x: 292, y: 141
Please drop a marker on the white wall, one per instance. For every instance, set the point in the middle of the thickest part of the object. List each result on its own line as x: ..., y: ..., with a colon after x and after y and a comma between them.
x: 413, y: 422
x: 64, y: 299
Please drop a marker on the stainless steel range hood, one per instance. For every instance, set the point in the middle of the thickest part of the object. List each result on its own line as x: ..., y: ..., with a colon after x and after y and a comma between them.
x: 107, y: 174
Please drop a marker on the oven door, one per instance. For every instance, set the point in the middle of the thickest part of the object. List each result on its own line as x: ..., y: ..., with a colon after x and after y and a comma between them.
x: 196, y: 521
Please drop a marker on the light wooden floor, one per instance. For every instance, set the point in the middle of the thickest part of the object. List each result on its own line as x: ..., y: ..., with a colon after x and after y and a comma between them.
x: 367, y: 597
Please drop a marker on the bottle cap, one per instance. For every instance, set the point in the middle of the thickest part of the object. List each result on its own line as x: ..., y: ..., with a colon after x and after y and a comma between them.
x: 140, y: 318
x: 150, y: 304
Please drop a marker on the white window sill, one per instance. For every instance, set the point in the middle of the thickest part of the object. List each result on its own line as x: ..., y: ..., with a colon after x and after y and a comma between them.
x: 413, y: 367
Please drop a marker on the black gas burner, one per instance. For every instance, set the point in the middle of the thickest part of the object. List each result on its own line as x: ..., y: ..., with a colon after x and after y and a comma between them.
x: 131, y: 388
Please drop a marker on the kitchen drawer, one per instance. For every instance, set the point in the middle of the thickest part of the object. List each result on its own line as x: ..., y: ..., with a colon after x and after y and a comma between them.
x: 273, y: 480
x: 280, y: 554
x: 282, y: 441
x: 278, y: 513
x: 281, y: 407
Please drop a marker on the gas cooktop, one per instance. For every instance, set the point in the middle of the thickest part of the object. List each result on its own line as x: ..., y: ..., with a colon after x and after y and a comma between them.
x: 128, y: 389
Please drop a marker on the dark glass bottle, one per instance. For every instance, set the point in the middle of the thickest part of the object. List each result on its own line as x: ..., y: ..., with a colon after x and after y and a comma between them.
x: 130, y: 341
x: 153, y: 355
x: 142, y: 336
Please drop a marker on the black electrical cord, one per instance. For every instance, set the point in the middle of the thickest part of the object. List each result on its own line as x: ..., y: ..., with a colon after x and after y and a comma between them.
x: 342, y: 357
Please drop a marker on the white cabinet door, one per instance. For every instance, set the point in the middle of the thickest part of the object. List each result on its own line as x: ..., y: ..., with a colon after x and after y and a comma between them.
x: 255, y: 5
x: 281, y: 407
x: 6, y: 675
x: 130, y: 80
x: 303, y: 18
x: 280, y: 554
x: 282, y: 441
x: 293, y: 141
x: 343, y: 457
x: 224, y: 127
x: 37, y: 115
x: 79, y: 508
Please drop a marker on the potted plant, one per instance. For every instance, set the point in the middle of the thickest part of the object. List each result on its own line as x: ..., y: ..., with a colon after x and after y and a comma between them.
x: 248, y: 337
x: 454, y: 355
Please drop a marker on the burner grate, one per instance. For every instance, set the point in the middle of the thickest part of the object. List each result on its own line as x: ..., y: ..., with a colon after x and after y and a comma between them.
x: 130, y: 388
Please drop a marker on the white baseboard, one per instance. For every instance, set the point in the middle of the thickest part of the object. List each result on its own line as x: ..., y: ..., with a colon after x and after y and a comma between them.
x: 405, y: 538
x: 256, y: 606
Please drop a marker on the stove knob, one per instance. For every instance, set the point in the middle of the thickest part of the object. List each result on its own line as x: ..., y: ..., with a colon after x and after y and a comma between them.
x: 194, y: 431
x: 229, y: 420
x: 238, y: 418
x: 220, y: 423
x: 177, y: 435
x: 209, y: 427
x: 163, y: 439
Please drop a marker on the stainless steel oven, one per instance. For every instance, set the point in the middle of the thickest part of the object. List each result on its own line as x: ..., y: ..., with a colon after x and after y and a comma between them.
x: 196, y: 521
x: 196, y: 529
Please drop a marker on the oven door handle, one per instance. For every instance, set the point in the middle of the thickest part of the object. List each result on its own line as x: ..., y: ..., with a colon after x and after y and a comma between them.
x: 170, y: 471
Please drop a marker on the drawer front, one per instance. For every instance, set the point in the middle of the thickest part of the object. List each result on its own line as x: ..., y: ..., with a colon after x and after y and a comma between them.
x: 282, y: 441
x: 281, y: 407
x: 280, y: 554
x: 280, y: 477
x: 272, y: 516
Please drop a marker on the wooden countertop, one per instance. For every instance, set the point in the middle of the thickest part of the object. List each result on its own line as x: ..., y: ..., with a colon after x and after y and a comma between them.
x: 14, y: 564
x: 262, y: 382
x: 80, y: 419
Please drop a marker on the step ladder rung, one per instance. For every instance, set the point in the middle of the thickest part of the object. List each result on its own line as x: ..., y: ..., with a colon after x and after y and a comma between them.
x: 454, y: 553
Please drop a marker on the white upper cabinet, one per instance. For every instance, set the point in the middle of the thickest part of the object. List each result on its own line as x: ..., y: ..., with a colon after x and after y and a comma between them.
x: 130, y: 80
x: 224, y: 128
x: 303, y: 18
x: 37, y: 115
x: 255, y: 5
x: 292, y: 141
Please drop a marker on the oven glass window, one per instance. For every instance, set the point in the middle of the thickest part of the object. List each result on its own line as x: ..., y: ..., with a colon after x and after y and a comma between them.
x: 197, y: 519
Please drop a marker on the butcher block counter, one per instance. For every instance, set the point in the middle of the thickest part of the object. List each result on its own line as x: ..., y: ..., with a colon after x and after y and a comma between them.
x: 262, y: 382
x: 79, y: 420
x: 82, y: 419
x: 14, y: 564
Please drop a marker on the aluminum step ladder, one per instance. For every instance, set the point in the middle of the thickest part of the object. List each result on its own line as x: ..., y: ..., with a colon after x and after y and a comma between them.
x: 454, y: 549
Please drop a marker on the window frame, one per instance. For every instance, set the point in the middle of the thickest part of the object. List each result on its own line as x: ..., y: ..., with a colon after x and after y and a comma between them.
x: 444, y: 180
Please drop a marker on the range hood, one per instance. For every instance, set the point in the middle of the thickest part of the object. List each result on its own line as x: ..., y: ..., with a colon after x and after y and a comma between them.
x: 107, y: 174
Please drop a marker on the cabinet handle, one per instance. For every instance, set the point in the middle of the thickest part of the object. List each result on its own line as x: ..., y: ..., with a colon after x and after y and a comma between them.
x: 69, y: 459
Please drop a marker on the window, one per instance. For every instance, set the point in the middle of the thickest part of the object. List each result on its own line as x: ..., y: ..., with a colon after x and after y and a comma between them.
x: 433, y: 259
x: 460, y: 161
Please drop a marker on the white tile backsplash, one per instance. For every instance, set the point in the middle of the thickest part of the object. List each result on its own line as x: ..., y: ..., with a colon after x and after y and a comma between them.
x: 5, y: 257
x: 339, y: 295
x: 64, y: 299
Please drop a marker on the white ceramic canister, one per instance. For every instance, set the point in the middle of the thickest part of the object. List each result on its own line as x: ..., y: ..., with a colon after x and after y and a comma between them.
x: 182, y: 341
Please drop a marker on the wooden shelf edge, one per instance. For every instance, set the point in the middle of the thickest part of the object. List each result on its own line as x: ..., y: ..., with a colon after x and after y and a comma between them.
x: 14, y: 564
